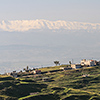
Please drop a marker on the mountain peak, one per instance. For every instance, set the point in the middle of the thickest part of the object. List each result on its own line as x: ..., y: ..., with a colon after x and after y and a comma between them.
x: 41, y: 24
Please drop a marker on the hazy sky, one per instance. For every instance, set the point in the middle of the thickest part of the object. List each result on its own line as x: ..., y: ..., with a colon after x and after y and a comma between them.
x: 69, y: 10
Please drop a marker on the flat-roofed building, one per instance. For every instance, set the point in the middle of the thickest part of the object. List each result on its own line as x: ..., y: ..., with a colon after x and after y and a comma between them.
x: 88, y: 62
x: 75, y: 66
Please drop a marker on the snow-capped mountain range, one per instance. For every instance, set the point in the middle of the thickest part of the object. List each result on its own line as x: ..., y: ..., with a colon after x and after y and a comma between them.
x: 27, y: 25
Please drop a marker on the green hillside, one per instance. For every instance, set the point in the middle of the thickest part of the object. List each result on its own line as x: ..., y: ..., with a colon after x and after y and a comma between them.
x: 80, y: 84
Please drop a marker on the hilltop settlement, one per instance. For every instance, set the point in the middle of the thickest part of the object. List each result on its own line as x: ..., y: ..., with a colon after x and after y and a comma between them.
x: 83, y: 63
x: 60, y: 82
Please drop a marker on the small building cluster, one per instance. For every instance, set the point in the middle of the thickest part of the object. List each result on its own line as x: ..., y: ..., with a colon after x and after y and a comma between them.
x: 86, y: 63
x: 27, y: 71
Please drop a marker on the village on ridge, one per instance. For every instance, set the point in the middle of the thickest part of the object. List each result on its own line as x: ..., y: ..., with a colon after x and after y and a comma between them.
x: 83, y: 64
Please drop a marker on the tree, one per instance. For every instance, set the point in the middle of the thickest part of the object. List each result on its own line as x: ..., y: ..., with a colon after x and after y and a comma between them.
x: 27, y: 67
x: 24, y: 69
x: 56, y: 62
x: 70, y: 62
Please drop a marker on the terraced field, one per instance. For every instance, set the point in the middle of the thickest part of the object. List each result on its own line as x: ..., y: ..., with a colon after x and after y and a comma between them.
x: 80, y: 84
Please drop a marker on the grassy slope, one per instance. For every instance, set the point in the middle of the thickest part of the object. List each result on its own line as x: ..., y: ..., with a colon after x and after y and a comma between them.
x: 66, y: 85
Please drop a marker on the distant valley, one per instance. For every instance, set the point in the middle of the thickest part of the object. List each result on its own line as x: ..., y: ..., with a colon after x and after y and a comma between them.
x: 37, y: 43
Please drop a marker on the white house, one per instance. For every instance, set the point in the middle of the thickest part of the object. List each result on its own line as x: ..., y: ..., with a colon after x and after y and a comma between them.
x: 36, y: 72
x: 65, y: 68
x: 88, y: 62
x: 75, y: 66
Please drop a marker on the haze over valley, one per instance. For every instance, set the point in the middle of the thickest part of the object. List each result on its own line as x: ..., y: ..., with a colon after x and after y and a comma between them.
x: 41, y: 48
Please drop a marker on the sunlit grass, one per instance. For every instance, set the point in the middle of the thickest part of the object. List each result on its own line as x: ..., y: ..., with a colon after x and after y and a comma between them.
x: 69, y: 84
